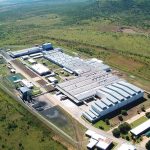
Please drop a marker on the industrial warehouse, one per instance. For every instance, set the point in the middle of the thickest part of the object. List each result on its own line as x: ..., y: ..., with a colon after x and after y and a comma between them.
x: 92, y: 84
x: 74, y: 64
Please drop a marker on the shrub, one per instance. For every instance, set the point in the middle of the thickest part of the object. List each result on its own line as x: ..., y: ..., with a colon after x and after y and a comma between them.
x: 116, y: 132
x: 120, y: 117
x: 12, y: 126
x: 127, y: 138
x: 107, y: 121
x: 124, y: 128
x: 147, y: 114
x: 148, y: 145
x: 124, y: 112
x: 138, y: 112
x: 143, y: 108
x: 100, y: 127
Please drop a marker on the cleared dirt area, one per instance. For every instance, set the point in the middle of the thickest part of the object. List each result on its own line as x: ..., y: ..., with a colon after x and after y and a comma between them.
x: 24, y: 68
x: 42, y: 82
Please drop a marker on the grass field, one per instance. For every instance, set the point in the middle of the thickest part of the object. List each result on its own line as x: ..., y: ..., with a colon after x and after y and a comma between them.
x: 101, y: 124
x: 138, y: 121
x: 89, y: 34
x: 21, y: 130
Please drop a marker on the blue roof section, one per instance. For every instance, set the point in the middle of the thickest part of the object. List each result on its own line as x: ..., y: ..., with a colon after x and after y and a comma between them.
x: 131, y: 86
x: 113, y: 93
x: 91, y: 114
x: 96, y: 107
x: 94, y: 112
x: 128, y: 90
x: 88, y: 116
x: 101, y: 104
x: 107, y: 102
x: 119, y: 91
x: 110, y: 97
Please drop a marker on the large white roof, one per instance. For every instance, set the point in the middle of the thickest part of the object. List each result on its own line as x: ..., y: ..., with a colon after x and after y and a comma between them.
x: 27, y: 83
x: 39, y: 68
x: 102, y: 142
x: 126, y: 146
x: 139, y: 129
x: 102, y: 145
x: 92, y: 143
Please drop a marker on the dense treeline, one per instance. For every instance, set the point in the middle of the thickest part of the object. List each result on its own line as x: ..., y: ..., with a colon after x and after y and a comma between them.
x: 127, y: 12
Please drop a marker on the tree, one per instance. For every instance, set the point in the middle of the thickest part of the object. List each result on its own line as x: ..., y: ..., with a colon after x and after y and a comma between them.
x: 143, y: 108
x: 107, y: 121
x: 127, y: 138
x: 116, y: 132
x: 100, y: 127
x: 120, y: 117
x: 124, y: 128
x: 148, y: 145
x: 124, y: 112
x: 147, y: 114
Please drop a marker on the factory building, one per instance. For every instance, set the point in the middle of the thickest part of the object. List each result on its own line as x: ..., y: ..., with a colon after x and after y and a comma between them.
x: 74, y: 64
x: 30, y: 51
x: 24, y: 52
x: 40, y: 69
x: 137, y: 131
x: 98, y: 141
x: 27, y: 83
x: 47, y: 46
x: 111, y: 98
x: 52, y: 80
x: 83, y: 88
x: 25, y: 93
x: 126, y: 146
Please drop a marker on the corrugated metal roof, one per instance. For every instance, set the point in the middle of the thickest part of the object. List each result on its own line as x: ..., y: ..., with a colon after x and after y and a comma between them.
x: 119, y: 91
x: 131, y: 86
x: 109, y: 97
x: 96, y: 107
x: 91, y: 114
x: 141, y: 128
x: 101, y: 104
x: 94, y: 112
x: 107, y: 102
x: 113, y: 93
x: 128, y: 90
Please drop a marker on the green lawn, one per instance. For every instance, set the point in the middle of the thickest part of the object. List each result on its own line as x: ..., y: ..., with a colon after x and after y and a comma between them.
x: 102, y: 124
x: 21, y: 130
x: 138, y: 121
x: 36, y: 91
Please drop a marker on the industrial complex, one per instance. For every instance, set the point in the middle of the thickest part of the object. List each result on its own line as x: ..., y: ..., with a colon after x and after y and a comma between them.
x: 88, y: 85
x: 93, y: 81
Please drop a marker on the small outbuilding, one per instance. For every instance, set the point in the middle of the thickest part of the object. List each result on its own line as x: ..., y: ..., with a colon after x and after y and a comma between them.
x: 27, y: 83
x: 25, y: 93
x: 40, y: 69
x: 52, y: 80
x: 31, y: 61
x: 141, y: 128
x: 98, y: 141
x: 126, y: 146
